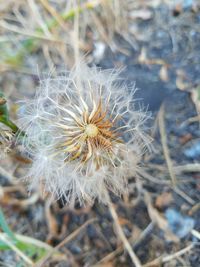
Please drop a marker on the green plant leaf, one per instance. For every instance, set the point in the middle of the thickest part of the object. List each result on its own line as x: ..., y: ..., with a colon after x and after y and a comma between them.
x: 3, y: 107
x: 4, y: 114
x: 31, y: 250
x: 4, y: 226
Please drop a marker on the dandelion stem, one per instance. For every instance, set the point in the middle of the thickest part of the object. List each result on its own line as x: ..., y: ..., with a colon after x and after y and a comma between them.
x: 10, y: 124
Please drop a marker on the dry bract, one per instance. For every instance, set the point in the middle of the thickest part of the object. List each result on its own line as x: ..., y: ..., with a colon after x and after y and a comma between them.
x: 6, y: 137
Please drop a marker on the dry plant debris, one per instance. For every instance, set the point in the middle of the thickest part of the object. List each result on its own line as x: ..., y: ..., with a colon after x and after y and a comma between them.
x: 158, y: 43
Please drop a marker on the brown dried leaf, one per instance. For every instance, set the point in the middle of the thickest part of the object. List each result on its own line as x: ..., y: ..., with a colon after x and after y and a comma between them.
x: 123, y: 221
x: 164, y: 200
x: 8, y: 199
x: 51, y: 221
x: 185, y: 138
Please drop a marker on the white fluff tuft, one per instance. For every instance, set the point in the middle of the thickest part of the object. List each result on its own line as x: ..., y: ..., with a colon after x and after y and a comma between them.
x: 71, y: 160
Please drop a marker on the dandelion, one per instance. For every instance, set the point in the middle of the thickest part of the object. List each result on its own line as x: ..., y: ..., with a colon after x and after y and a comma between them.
x: 83, y: 134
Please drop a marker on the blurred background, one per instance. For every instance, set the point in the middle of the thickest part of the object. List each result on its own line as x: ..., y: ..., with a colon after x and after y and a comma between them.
x: 156, y: 43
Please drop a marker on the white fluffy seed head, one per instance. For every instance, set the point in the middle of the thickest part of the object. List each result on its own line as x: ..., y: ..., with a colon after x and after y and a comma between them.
x: 83, y: 134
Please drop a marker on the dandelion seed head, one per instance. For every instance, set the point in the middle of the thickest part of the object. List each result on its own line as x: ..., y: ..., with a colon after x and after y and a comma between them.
x: 83, y: 134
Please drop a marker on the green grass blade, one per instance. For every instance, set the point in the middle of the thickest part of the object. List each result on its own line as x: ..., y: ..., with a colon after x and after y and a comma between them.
x: 4, y: 226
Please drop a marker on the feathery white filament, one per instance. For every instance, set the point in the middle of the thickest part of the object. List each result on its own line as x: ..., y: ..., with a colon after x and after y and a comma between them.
x: 83, y: 134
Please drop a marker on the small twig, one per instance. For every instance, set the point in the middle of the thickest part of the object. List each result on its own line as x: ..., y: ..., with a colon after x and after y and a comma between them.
x: 184, y: 195
x: 34, y: 35
x: 122, y: 236
x: 38, y: 18
x: 24, y: 203
x: 75, y: 233
x: 191, y: 167
x: 192, y: 119
x: 195, y: 233
x: 53, y: 13
x: 168, y: 258
x: 112, y: 255
x: 178, y: 253
x: 161, y: 124
x: 194, y: 209
x: 168, y: 159
x: 62, y: 243
x: 152, y: 179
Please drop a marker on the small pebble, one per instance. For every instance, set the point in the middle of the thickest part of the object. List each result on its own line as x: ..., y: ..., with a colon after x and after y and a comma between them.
x: 193, y: 152
x: 180, y: 225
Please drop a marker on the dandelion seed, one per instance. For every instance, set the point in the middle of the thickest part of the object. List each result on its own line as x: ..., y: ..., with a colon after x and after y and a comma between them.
x: 83, y: 134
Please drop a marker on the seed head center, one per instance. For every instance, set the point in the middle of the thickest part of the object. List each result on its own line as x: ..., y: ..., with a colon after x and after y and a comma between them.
x: 91, y: 130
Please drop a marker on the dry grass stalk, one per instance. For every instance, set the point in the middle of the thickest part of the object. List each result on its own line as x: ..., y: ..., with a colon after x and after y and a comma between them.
x: 165, y: 146
x: 122, y: 236
x: 168, y: 258
x: 65, y: 241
